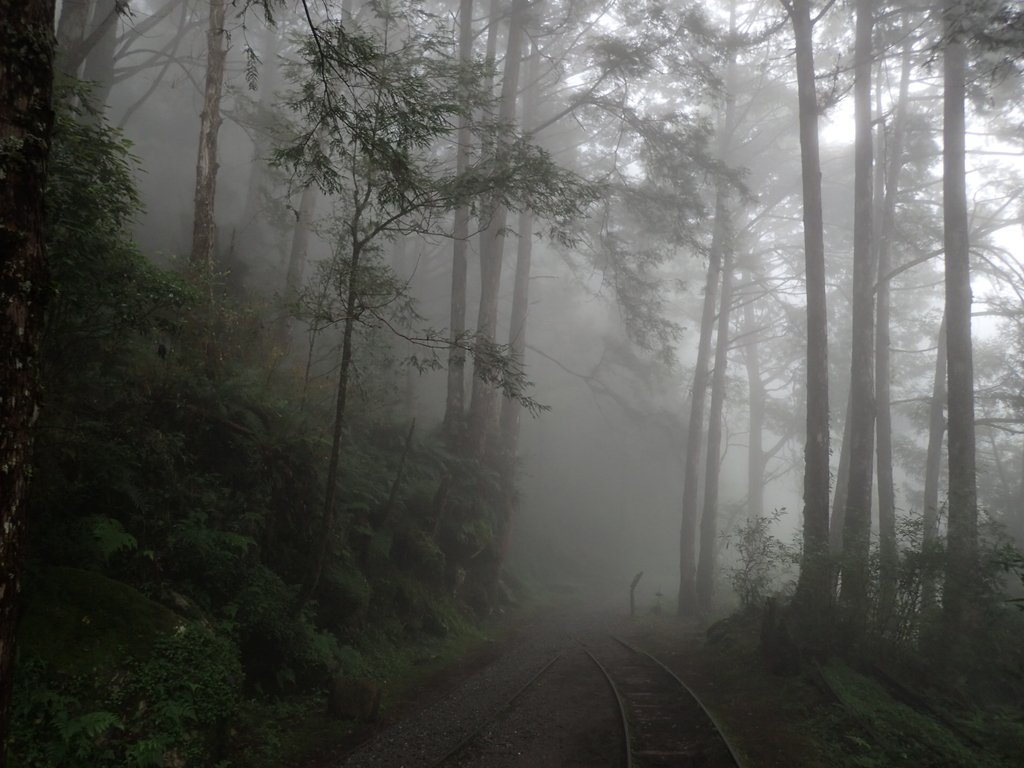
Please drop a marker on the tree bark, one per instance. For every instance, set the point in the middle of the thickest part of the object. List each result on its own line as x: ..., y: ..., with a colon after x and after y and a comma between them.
x: 456, y: 392
x: 814, y: 594
x: 204, y: 227
x: 26, y: 122
x: 857, y: 523
x: 961, y: 542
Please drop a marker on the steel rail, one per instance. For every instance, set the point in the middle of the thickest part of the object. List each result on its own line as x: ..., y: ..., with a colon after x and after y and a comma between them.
x: 714, y: 720
x: 471, y: 736
x: 626, y: 732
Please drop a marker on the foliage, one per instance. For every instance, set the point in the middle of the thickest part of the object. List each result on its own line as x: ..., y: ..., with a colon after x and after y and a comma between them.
x: 876, y: 727
x: 764, y: 561
x: 103, y: 287
x: 167, y: 708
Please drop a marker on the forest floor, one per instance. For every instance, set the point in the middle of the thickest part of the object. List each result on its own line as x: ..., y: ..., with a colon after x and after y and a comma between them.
x: 830, y: 716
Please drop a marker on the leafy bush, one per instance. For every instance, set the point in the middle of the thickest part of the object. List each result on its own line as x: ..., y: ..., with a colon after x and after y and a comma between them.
x: 763, y: 560
x: 169, y: 708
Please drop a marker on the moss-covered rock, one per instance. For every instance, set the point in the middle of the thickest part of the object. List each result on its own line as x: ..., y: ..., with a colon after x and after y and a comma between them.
x: 82, y: 622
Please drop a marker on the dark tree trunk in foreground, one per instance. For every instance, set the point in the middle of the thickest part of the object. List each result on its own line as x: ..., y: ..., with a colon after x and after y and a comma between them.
x: 203, y: 226
x: 861, y: 426
x: 456, y: 393
x: 813, y: 594
x: 26, y: 119
x: 961, y: 542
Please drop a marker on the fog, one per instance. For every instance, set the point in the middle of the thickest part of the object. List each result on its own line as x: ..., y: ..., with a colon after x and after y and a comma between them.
x: 614, y: 317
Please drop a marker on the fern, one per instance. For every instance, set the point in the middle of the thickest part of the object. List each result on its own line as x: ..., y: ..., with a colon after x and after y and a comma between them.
x: 111, y: 537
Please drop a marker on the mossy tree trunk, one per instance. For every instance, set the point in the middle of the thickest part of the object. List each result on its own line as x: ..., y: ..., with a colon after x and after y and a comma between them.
x: 26, y: 122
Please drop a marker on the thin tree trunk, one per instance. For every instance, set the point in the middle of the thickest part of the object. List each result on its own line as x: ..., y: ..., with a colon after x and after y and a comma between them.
x: 456, y: 393
x: 511, y: 410
x: 888, y: 550
x: 814, y: 593
x: 297, y: 255
x: 492, y: 246
x: 26, y: 121
x: 756, y: 399
x: 323, y: 540
x: 835, y: 531
x: 687, y: 601
x: 961, y: 542
x: 203, y: 227
x: 712, y: 469
x: 99, y: 61
x: 933, y: 466
x: 71, y: 27
x: 857, y: 523
x: 252, y: 226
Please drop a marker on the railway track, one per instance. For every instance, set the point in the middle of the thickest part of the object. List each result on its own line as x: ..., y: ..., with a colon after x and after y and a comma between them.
x: 458, y: 750
x: 665, y: 724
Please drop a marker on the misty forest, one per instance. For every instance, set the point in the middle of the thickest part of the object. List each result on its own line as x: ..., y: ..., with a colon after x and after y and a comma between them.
x: 433, y: 382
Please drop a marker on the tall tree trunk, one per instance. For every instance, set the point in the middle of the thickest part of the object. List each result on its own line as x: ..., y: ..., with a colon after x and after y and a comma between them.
x: 933, y: 466
x: 492, y: 246
x: 888, y: 550
x: 708, y: 548
x: 835, y: 531
x: 712, y: 469
x: 203, y: 226
x: 756, y: 400
x: 296, y: 274
x: 814, y: 594
x: 404, y: 271
x: 456, y: 393
x: 99, y: 61
x: 857, y: 522
x: 322, y: 543
x: 26, y: 121
x: 71, y: 28
x: 687, y: 601
x: 961, y: 542
x: 252, y: 227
